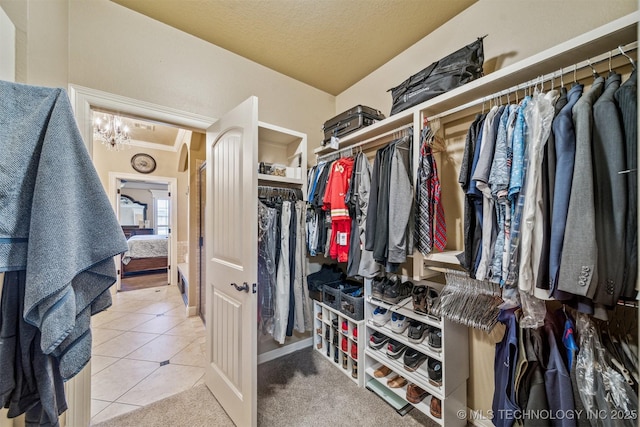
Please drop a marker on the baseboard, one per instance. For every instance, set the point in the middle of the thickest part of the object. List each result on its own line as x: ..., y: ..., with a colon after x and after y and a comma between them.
x: 476, y: 418
x: 192, y: 310
x: 284, y: 350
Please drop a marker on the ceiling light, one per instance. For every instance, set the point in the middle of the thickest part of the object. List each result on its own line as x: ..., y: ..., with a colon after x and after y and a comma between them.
x: 112, y: 132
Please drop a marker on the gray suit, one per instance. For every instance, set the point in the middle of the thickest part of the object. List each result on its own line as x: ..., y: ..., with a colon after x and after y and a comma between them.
x: 610, y: 193
x: 579, y: 251
x: 627, y: 99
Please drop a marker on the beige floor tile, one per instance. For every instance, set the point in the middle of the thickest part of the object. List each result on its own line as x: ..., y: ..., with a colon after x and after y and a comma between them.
x: 114, y: 381
x: 128, y: 321
x: 105, y: 317
x: 159, y: 307
x: 101, y: 335
x: 164, y: 382
x: 111, y: 411
x: 187, y: 328
x: 130, y: 306
x: 123, y: 344
x: 159, y: 325
x: 162, y: 348
x: 97, y: 406
x: 178, y: 312
x: 98, y: 363
x: 150, y: 294
x: 192, y: 355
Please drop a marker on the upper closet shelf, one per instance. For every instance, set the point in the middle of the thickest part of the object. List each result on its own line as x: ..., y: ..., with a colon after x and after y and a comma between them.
x: 602, y: 39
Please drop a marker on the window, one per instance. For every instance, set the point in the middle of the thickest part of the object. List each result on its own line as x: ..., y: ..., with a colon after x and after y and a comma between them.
x: 162, y: 216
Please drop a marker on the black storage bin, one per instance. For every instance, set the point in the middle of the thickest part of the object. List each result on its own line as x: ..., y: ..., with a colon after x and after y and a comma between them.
x: 351, y: 306
x: 328, y: 274
x: 332, y: 293
x: 350, y: 121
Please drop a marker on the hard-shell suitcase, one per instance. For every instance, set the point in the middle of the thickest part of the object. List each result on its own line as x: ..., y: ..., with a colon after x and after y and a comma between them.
x: 349, y: 121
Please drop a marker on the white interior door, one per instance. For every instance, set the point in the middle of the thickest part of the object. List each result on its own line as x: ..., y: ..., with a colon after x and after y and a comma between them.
x: 232, y: 261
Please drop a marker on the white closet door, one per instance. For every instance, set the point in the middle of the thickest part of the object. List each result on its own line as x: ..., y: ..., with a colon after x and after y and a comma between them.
x: 232, y: 261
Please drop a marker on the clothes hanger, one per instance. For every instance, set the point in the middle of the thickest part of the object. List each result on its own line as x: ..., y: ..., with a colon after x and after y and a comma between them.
x: 594, y: 73
x: 633, y: 64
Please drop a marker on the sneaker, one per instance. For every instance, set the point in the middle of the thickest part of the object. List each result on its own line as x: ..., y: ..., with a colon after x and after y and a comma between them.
x: 434, y: 340
x: 334, y: 322
x: 417, y: 332
x: 395, y: 349
x: 434, y: 369
x: 355, y: 331
x: 345, y: 361
x: 378, y: 285
x: 377, y: 340
x: 354, y: 371
x: 398, y: 291
x: 381, y: 316
x: 413, y: 359
x: 399, y: 323
x: 354, y: 351
x: 345, y: 344
x: 345, y: 327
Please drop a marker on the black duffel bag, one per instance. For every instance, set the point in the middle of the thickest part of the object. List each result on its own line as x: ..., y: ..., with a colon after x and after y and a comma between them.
x: 456, y: 69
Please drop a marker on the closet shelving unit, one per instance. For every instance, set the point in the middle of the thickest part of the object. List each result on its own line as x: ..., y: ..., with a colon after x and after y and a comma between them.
x: 454, y: 355
x: 323, y: 317
x: 278, y: 145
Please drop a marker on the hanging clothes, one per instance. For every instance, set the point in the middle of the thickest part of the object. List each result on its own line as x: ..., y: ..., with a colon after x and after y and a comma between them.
x: 578, y: 268
x: 610, y: 194
x: 334, y: 203
x: 627, y: 98
x: 267, y: 235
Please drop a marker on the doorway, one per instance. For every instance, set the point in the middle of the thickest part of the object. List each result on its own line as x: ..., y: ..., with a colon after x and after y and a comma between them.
x: 144, y: 212
x: 202, y: 192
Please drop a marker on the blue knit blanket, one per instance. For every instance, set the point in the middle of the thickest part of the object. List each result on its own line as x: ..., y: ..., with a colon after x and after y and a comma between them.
x: 56, y: 221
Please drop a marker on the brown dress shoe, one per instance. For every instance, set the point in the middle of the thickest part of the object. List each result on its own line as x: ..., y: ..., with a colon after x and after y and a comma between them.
x: 415, y: 394
x: 382, y: 372
x: 396, y: 382
x: 435, y: 407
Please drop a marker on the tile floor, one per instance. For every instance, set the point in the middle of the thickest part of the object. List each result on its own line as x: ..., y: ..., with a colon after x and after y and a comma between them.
x: 132, y: 342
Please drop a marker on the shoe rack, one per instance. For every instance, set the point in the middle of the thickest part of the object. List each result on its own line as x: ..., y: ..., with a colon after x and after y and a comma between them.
x: 328, y: 340
x: 452, y: 355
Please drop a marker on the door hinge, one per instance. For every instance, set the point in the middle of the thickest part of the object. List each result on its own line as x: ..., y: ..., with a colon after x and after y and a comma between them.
x: 118, y: 272
x: 201, y: 242
x: 254, y: 289
x: 118, y: 191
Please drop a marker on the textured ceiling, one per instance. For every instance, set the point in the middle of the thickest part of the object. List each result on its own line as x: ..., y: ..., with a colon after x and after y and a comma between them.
x: 328, y: 44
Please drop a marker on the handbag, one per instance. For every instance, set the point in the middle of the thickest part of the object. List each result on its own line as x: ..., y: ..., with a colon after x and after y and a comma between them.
x: 456, y: 69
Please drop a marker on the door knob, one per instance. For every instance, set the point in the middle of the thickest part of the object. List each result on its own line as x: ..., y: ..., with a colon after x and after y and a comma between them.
x: 244, y: 287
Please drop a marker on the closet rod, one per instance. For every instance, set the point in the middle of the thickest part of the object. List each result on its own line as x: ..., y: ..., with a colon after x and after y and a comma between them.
x: 366, y: 141
x: 539, y: 80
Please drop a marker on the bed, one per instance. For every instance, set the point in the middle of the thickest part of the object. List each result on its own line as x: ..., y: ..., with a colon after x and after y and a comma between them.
x: 147, y: 253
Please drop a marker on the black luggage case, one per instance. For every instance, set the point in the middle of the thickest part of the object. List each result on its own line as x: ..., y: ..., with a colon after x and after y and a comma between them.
x: 349, y: 121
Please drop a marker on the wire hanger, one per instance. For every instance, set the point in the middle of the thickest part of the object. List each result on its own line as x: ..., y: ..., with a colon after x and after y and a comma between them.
x: 633, y: 64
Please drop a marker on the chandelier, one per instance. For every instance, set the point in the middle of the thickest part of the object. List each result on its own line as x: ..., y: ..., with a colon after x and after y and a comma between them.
x: 112, y: 132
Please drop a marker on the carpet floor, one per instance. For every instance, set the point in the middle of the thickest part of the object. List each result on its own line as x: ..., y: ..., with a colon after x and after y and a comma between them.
x: 300, y: 389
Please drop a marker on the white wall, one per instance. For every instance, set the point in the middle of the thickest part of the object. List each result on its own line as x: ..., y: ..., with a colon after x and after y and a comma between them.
x: 516, y: 30
x: 119, y: 51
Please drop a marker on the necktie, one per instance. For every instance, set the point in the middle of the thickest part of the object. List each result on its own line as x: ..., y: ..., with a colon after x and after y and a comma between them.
x: 423, y: 230
x: 440, y: 236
